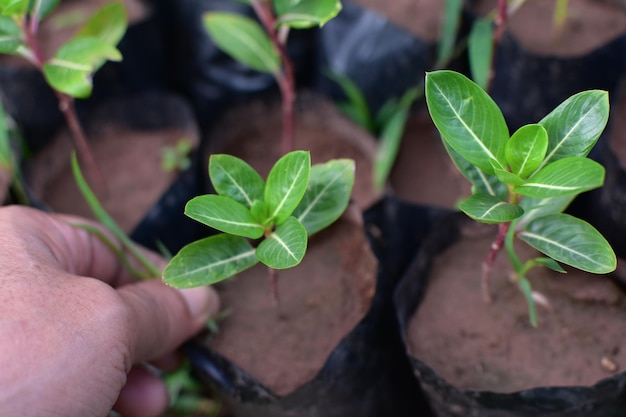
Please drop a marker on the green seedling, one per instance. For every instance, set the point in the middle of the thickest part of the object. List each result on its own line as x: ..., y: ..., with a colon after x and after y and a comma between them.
x: 70, y: 70
x: 10, y: 173
x: 263, y: 46
x: 176, y: 158
x: 525, y: 181
x: 388, y: 124
x: 261, y: 221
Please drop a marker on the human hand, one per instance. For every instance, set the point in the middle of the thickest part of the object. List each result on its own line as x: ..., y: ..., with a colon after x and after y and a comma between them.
x: 74, y: 330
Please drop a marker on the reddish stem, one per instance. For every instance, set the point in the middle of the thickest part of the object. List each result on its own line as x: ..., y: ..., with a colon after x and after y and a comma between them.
x: 285, y: 79
x: 500, y: 22
x: 496, y: 246
x: 66, y: 106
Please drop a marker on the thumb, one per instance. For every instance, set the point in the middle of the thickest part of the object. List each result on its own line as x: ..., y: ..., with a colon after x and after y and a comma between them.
x: 161, y: 318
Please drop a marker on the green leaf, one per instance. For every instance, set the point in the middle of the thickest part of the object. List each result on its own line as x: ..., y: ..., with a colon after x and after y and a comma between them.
x: 526, y: 149
x: 232, y: 177
x: 508, y: 177
x: 209, y: 260
x: 10, y: 35
x: 286, y: 184
x: 7, y: 157
x: 486, y: 208
x: 537, y: 207
x: 564, y: 177
x: 225, y: 215
x: 303, y: 14
x: 576, y: 124
x: 550, y: 264
x: 285, y: 247
x: 107, y: 24
x: 327, y: 195
x: 468, y: 119
x: 244, y: 40
x: 480, y: 51
x: 71, y: 68
x: 103, y: 217
x: 356, y: 107
x: 571, y: 241
x: 482, y: 183
x: 259, y: 212
x: 527, y: 290
x: 452, y: 16
x: 14, y: 7
x: 390, y: 138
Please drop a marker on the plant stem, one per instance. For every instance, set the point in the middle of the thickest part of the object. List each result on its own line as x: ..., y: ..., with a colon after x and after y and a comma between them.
x: 500, y: 22
x: 66, y: 105
x: 496, y: 246
x: 286, y: 78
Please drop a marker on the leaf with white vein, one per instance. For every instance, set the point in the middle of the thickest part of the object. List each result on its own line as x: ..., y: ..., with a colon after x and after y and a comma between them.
x: 486, y: 208
x: 285, y: 247
x: 571, y: 241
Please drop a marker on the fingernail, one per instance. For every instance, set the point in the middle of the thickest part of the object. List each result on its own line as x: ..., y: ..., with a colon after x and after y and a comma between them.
x: 203, y: 302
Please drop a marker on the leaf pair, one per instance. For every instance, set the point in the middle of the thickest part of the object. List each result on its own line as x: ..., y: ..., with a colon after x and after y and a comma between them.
x: 71, y: 68
x: 295, y: 201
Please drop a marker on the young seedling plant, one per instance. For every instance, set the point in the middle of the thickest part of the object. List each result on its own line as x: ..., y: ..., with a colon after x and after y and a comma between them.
x: 70, y: 70
x: 267, y: 221
x: 525, y: 181
x: 264, y: 48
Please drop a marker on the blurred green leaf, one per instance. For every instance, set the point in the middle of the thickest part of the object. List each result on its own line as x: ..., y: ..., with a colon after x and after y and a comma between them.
x: 304, y: 14
x: 107, y: 24
x: 70, y: 70
x: 285, y: 247
x: 244, y: 40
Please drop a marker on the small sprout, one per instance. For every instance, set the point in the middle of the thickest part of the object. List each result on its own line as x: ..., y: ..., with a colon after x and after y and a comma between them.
x: 265, y: 221
x: 176, y: 158
x: 525, y: 181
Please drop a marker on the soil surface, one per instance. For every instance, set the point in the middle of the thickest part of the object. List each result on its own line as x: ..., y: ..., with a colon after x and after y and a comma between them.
x: 589, y: 23
x: 127, y: 139
x: 579, y: 339
x: 321, y: 301
x: 323, y: 298
x: 420, y: 17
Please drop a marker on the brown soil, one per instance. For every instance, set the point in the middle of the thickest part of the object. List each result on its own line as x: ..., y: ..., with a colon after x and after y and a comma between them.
x: 589, y: 24
x: 128, y: 157
x: 423, y: 172
x: 321, y: 300
x: 252, y: 132
x: 331, y: 290
x: 579, y: 339
x: 420, y: 17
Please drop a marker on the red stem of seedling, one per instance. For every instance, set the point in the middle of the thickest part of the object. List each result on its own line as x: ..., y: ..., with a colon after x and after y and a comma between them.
x: 496, y: 246
x: 67, y: 107
x: 285, y: 79
x: 500, y: 22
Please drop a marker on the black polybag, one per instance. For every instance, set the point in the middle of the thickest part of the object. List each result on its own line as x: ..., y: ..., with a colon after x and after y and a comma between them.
x: 367, y: 374
x: 607, y: 398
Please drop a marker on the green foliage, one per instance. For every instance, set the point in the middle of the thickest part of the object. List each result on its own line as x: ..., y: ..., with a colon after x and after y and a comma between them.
x: 243, y: 39
x: 450, y: 27
x: 480, y: 51
x: 528, y: 179
x: 295, y: 201
x: 176, y: 158
x: 388, y: 125
x: 304, y: 14
x: 246, y: 41
x: 71, y: 69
